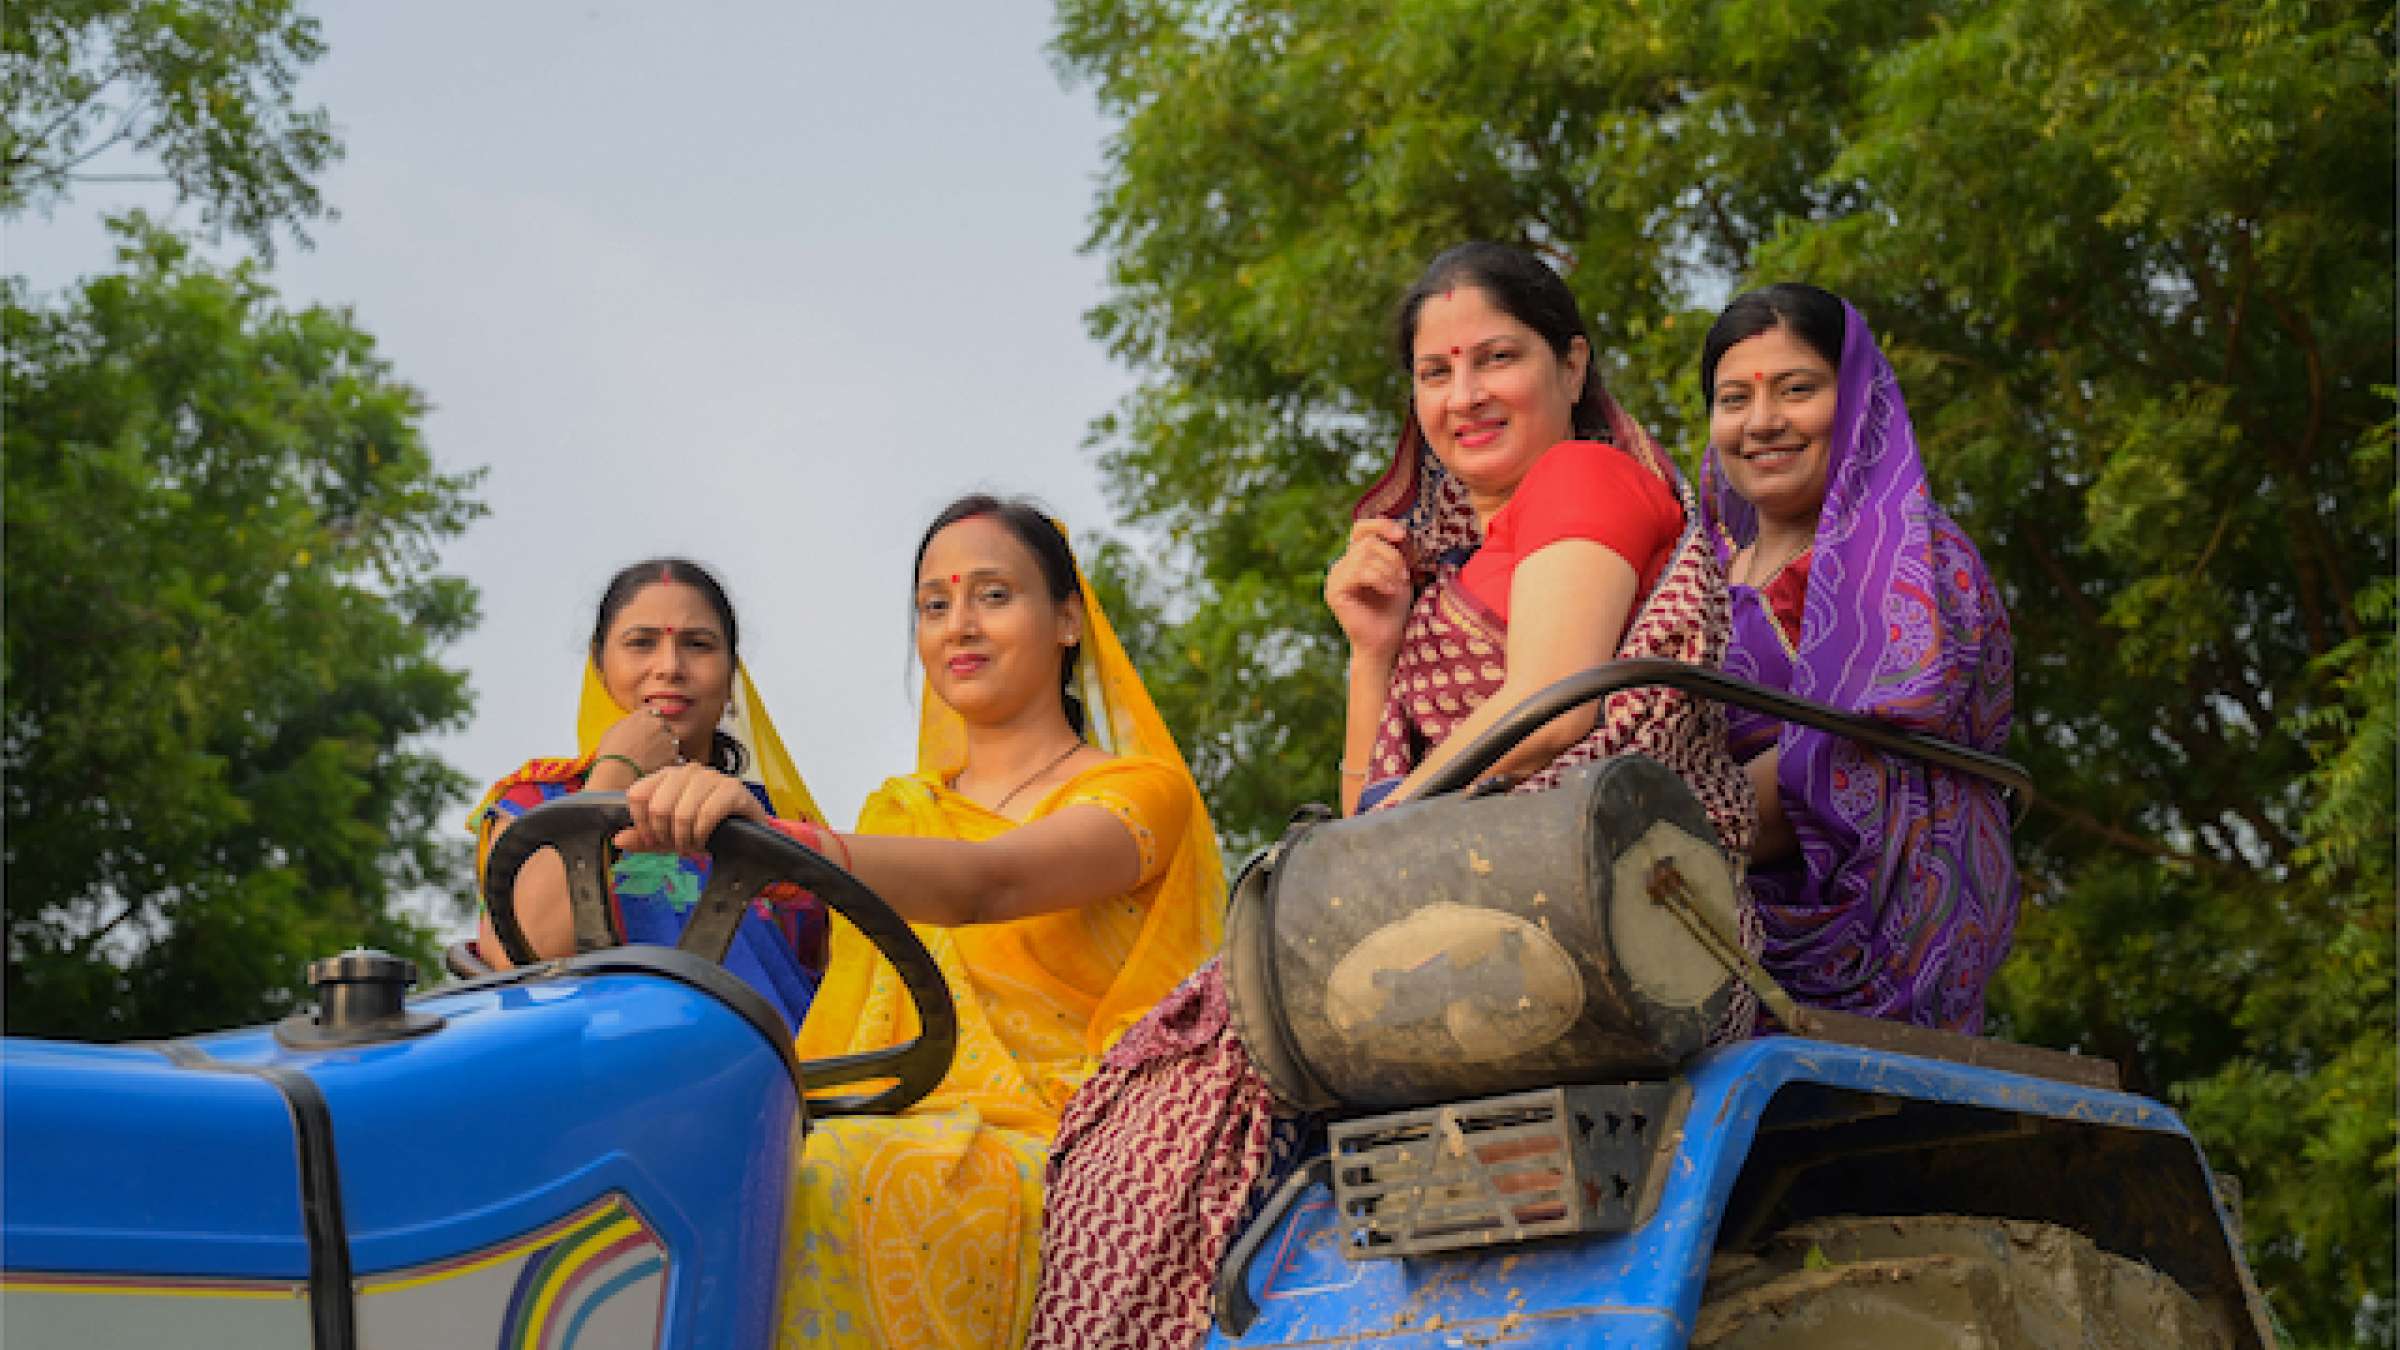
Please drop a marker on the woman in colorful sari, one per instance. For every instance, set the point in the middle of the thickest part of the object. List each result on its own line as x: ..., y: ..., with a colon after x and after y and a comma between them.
x: 1883, y: 886
x: 1054, y: 846
x: 1543, y: 534
x: 664, y: 684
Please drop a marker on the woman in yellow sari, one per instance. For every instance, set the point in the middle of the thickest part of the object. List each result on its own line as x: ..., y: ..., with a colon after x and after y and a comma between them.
x: 1061, y: 867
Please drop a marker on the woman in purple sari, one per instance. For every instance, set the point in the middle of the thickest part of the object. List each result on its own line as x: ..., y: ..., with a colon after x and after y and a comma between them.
x: 1884, y: 886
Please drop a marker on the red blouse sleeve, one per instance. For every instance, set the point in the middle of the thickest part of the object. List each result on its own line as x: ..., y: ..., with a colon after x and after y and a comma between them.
x: 1584, y: 490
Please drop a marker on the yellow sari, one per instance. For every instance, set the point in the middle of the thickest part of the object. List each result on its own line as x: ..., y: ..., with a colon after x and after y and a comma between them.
x: 924, y: 1230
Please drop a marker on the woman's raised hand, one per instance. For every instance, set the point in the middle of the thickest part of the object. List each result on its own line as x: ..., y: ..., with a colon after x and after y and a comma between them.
x: 1367, y: 588
x: 676, y: 809
x: 643, y: 737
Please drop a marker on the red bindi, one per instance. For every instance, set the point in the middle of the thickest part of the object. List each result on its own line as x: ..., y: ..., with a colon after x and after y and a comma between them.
x: 1454, y: 351
x: 670, y: 630
x: 1758, y: 377
x: 954, y: 578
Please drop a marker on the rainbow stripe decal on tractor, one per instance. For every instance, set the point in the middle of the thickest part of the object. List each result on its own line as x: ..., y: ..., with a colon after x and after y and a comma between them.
x: 607, y: 1252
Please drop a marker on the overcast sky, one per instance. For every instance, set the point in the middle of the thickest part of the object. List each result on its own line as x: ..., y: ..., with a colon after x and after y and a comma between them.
x: 766, y: 284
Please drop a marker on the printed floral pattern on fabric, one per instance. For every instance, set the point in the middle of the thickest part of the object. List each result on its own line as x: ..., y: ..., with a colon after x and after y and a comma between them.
x: 659, y: 877
x: 1177, y: 1137
x: 880, y: 1203
x: 1179, y: 1093
x: 925, y: 1230
x: 780, y: 949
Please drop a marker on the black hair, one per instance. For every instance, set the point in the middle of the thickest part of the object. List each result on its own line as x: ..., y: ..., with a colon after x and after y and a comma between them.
x: 1813, y: 314
x: 1525, y: 289
x: 1048, y: 543
x: 725, y: 754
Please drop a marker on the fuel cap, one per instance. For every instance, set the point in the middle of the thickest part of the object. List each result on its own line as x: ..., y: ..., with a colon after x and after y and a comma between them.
x: 362, y: 998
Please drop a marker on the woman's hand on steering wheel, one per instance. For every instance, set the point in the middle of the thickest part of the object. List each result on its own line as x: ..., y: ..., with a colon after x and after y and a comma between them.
x: 676, y: 809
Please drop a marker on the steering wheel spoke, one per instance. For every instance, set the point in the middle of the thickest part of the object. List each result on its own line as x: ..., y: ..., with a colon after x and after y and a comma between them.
x: 581, y: 838
x: 734, y: 880
x: 588, y: 859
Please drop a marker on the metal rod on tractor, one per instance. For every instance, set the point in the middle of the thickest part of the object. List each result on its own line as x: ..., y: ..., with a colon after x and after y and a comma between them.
x: 1618, y: 676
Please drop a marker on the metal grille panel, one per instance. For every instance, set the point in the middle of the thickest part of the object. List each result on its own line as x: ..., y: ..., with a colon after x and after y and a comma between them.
x: 1500, y: 1169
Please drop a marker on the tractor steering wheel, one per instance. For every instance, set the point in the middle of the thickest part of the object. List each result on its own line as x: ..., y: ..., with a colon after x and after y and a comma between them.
x: 744, y: 858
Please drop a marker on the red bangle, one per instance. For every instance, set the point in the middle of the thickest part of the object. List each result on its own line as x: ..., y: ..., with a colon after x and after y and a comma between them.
x: 820, y: 836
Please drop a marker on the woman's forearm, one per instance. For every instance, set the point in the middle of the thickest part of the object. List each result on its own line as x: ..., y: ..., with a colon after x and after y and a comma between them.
x: 1362, y: 721
x: 943, y: 882
x: 1554, y: 738
x: 542, y: 911
x: 1572, y: 597
x: 1078, y: 856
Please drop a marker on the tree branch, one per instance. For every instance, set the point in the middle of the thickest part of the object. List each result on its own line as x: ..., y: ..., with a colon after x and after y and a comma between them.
x: 2085, y: 613
x: 1728, y: 236
x: 84, y: 945
x: 2127, y: 840
x: 2307, y: 529
x: 2241, y: 302
x: 124, y: 131
x: 2212, y: 296
x: 2306, y: 336
x: 73, y: 114
x: 2160, y: 346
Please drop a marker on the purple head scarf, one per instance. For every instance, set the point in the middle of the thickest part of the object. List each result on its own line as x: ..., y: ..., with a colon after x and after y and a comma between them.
x: 1903, y: 896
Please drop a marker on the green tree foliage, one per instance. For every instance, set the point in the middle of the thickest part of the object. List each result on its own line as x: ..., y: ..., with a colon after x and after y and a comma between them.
x: 2133, y: 259
x: 222, y: 625
x: 2310, y: 1096
x: 197, y: 94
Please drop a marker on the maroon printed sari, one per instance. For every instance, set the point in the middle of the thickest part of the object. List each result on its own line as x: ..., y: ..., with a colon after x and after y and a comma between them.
x: 1453, y: 648
x: 1163, y: 1154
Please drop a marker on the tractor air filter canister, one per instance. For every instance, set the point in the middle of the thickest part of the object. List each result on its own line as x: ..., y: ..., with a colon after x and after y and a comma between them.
x: 1468, y: 946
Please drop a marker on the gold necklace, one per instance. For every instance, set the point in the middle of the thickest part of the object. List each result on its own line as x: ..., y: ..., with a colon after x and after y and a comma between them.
x: 1756, y: 579
x: 999, y: 806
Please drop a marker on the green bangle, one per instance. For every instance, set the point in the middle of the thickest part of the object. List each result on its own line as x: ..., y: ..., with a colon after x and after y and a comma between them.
x: 626, y: 760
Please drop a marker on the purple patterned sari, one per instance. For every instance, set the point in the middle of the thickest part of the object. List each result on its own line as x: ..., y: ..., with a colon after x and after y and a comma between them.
x: 1903, y: 896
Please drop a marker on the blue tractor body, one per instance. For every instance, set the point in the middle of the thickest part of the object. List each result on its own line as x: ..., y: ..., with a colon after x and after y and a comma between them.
x: 1757, y: 1133
x: 596, y: 1153
x: 599, y: 1154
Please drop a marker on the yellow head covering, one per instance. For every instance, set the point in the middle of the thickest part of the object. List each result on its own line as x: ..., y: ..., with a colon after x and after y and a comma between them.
x: 1118, y: 717
x: 1178, y: 931
x: 768, y: 764
x: 1118, y: 714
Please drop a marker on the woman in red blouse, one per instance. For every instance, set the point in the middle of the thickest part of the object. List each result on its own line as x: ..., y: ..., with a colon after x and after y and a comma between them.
x: 1527, y: 530
x: 1518, y: 551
